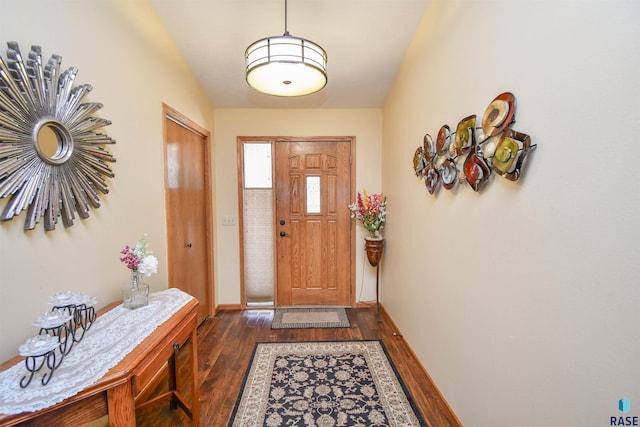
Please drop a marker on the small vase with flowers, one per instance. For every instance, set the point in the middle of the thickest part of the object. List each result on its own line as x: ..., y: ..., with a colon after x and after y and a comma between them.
x: 141, y: 262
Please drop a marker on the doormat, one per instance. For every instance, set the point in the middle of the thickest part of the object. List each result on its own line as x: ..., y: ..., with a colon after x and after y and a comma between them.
x: 347, y: 383
x: 303, y: 318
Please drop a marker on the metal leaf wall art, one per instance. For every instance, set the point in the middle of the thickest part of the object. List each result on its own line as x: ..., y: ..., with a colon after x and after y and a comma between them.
x: 494, y: 147
x: 52, y: 163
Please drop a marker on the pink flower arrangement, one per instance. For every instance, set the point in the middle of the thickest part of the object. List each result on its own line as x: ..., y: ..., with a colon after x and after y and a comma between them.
x: 139, y: 258
x: 371, y: 211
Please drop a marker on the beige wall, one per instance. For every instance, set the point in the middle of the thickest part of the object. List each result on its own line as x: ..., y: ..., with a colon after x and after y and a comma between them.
x: 522, y: 301
x: 123, y: 51
x: 364, y: 124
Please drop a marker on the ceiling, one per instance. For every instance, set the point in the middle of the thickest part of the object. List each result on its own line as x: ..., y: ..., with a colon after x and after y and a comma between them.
x: 365, y: 42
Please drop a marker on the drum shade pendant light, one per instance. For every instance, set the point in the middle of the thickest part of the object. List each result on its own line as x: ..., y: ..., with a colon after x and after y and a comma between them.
x: 286, y: 65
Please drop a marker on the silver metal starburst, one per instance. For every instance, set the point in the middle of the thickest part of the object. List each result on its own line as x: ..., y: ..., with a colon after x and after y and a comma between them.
x: 52, y: 163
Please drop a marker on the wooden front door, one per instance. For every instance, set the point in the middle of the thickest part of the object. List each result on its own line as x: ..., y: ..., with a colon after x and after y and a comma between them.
x: 188, y: 204
x: 312, y: 224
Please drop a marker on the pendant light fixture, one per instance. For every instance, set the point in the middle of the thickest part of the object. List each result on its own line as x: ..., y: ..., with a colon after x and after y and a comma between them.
x: 286, y: 65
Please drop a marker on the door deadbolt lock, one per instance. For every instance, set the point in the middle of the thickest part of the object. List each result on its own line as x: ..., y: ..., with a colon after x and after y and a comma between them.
x: 282, y: 222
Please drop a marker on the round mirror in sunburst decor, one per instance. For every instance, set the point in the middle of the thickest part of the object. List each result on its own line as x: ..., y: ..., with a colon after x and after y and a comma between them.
x: 52, y: 160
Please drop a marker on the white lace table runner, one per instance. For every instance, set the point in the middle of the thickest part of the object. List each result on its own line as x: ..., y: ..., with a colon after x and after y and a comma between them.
x: 112, y: 336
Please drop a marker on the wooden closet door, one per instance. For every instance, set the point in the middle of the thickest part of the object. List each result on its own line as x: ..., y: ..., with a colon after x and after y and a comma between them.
x: 188, y: 207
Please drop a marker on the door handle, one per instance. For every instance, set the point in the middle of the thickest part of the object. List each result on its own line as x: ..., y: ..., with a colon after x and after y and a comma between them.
x: 282, y: 234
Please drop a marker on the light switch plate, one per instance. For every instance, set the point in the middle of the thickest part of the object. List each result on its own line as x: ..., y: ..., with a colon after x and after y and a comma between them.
x: 228, y: 220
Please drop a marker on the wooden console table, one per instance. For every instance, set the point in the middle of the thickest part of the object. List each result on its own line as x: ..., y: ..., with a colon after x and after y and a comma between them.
x: 120, y: 391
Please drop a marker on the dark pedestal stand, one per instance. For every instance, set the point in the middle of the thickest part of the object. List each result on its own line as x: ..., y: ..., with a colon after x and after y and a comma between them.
x: 374, y: 248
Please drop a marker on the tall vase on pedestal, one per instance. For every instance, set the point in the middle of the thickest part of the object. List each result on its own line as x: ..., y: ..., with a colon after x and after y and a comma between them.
x: 374, y: 247
x: 371, y: 210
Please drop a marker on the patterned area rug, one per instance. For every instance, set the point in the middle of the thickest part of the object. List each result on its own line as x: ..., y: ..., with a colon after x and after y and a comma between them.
x: 319, y: 317
x: 323, y: 384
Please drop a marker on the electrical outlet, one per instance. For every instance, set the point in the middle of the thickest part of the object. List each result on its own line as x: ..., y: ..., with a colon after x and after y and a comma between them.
x: 228, y: 220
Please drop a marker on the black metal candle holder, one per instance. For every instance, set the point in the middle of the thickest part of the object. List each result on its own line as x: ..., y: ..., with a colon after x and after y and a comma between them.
x: 71, y: 317
x: 36, y: 359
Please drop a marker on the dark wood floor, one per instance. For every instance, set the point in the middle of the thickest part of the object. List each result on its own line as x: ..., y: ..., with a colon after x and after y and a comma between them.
x: 226, y: 343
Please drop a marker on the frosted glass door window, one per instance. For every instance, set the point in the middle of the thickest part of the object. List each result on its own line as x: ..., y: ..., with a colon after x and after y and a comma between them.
x: 313, y: 194
x: 257, y: 165
x: 258, y: 245
x: 257, y: 224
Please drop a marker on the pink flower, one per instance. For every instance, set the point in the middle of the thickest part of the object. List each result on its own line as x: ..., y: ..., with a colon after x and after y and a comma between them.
x: 130, y: 258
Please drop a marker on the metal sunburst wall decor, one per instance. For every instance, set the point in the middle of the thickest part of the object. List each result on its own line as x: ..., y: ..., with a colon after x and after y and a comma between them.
x: 52, y: 163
